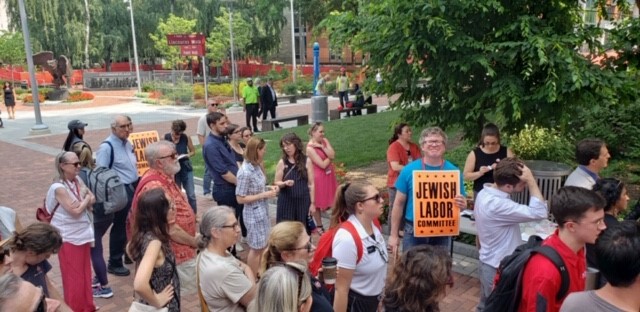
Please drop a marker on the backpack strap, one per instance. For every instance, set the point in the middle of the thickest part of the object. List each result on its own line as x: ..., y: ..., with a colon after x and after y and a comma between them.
x: 553, y: 255
x: 347, y: 225
x: 112, y: 157
x: 203, y: 303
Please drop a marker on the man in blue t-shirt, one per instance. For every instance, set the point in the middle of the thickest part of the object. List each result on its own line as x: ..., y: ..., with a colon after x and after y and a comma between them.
x: 432, y: 144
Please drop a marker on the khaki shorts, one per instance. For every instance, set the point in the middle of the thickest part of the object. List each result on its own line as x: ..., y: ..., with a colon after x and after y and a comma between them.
x: 187, y: 275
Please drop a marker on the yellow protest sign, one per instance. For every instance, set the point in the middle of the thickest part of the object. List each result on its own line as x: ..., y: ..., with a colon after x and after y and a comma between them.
x: 434, y: 209
x: 140, y: 140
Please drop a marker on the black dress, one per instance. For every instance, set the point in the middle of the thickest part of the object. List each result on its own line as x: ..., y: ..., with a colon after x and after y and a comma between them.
x: 483, y: 159
x: 293, y: 201
x: 9, y: 100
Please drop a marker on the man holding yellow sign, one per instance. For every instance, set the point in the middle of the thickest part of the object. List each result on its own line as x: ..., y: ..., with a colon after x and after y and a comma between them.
x: 429, y: 197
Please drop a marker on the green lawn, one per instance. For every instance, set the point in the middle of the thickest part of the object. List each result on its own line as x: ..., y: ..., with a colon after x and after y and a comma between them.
x: 357, y: 141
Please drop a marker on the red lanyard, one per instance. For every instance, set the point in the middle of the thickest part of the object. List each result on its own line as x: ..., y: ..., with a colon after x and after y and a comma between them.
x: 74, y: 190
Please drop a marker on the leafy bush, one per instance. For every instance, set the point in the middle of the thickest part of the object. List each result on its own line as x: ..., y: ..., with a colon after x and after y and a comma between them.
x: 222, y: 89
x: 284, y: 74
x: 44, y: 91
x: 198, y: 92
x: 330, y: 87
x: 290, y: 89
x: 304, y: 86
x: 615, y: 124
x: 538, y: 143
x: 78, y: 96
x: 273, y: 74
x: 29, y: 98
x: 21, y: 91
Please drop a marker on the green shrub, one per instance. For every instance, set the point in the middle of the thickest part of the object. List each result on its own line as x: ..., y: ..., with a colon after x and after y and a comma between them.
x: 537, y: 143
x: 284, y: 74
x: 273, y: 74
x: 304, y: 86
x: 198, y: 91
x: 330, y: 87
x: 290, y: 89
x: 21, y: 91
x: 615, y: 124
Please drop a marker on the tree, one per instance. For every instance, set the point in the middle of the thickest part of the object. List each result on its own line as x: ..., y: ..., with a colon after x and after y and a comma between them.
x: 219, y: 44
x: 12, y: 50
x: 513, y: 62
x: 173, y: 25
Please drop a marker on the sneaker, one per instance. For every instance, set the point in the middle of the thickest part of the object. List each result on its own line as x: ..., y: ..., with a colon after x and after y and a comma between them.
x: 118, y: 271
x: 95, y: 282
x: 102, y: 292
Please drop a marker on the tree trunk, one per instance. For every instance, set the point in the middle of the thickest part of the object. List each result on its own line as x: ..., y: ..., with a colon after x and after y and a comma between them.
x: 107, y: 60
x: 87, y: 63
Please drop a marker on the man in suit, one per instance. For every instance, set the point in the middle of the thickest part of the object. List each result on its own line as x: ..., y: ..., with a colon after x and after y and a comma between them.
x: 269, y: 101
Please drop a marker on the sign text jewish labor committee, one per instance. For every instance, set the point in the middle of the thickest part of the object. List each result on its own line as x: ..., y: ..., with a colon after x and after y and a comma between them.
x: 434, y: 209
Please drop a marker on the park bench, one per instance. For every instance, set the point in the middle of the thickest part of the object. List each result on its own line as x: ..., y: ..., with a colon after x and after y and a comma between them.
x: 335, y: 113
x: 267, y: 124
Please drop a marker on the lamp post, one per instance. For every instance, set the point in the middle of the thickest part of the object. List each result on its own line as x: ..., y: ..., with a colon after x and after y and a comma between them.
x: 233, y: 59
x: 135, y: 47
x: 293, y: 43
x: 39, y: 127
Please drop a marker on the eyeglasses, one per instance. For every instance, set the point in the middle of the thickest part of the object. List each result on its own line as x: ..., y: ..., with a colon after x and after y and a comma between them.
x: 42, y: 304
x: 247, y: 135
x: 434, y: 142
x: 173, y: 156
x: 596, y: 222
x: 127, y: 126
x: 308, y: 246
x: 214, y: 104
x: 235, y: 225
x: 490, y: 143
x: 75, y: 164
x: 377, y: 198
x: 6, y: 251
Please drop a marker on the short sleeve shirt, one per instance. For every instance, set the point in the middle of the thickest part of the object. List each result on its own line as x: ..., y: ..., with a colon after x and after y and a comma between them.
x: 250, y: 95
x: 222, y: 282
x: 404, y: 183
x: 37, y: 275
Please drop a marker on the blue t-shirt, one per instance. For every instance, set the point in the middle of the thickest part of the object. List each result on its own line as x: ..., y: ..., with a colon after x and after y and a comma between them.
x: 404, y: 183
x: 37, y: 275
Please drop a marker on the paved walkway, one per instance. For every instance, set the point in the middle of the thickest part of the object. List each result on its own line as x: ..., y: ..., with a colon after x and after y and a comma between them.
x: 28, y: 171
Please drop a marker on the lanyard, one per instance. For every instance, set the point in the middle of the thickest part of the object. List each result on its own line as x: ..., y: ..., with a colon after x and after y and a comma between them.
x: 74, y: 190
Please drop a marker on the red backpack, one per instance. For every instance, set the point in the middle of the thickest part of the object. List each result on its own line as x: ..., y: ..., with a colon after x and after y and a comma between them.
x: 325, y: 244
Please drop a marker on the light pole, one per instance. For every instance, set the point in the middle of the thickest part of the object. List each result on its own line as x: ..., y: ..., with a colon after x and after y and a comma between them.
x: 39, y: 127
x: 135, y: 47
x: 293, y: 43
x: 233, y: 59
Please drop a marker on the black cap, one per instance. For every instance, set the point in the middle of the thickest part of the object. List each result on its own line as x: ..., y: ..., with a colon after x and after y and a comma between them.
x: 76, y: 124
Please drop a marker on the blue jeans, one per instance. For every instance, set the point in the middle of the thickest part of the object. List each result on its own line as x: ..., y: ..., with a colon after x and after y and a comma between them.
x: 206, y: 182
x: 409, y: 240
x: 487, y: 274
x: 184, y: 179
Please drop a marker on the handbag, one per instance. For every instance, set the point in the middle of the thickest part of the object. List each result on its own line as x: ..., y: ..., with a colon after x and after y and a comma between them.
x: 310, y: 224
x: 43, y: 215
x: 203, y: 303
x: 141, y: 307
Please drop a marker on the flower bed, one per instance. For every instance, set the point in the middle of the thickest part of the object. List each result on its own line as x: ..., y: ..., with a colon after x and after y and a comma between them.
x: 80, y: 96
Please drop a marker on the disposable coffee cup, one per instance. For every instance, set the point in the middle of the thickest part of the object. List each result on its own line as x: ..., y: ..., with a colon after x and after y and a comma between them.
x: 329, y: 266
x: 593, y: 276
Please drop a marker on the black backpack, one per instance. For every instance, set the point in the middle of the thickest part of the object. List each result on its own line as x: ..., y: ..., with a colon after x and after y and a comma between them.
x: 507, y: 292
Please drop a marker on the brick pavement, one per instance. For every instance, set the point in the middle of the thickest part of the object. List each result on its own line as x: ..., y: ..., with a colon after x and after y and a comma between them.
x: 28, y: 172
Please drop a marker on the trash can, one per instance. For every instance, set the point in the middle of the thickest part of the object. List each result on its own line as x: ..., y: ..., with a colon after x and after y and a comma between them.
x: 319, y: 108
x: 549, y: 175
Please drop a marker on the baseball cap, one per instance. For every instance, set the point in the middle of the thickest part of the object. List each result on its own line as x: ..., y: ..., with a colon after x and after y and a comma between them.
x: 76, y: 124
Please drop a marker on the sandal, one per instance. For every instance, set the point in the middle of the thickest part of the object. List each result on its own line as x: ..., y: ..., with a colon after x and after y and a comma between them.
x: 320, y: 230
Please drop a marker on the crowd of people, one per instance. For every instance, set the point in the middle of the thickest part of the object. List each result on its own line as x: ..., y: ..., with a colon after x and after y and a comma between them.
x: 176, y: 256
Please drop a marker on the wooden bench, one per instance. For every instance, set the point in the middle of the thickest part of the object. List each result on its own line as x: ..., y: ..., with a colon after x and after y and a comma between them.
x: 267, y: 125
x: 335, y: 114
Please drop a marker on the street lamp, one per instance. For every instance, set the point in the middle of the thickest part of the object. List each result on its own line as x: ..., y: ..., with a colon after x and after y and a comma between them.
x: 39, y: 127
x: 293, y: 43
x: 135, y: 48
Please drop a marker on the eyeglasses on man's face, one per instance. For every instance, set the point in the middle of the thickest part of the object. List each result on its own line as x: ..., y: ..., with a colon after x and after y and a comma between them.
x: 75, y: 164
x: 173, y: 155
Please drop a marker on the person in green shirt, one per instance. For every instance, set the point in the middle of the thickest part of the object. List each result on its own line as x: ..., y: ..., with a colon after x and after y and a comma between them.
x: 251, y: 104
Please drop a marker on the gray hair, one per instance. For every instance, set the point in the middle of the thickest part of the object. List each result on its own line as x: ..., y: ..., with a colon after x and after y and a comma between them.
x: 278, y: 288
x: 9, y: 287
x: 114, y: 121
x: 152, y: 151
x: 61, y: 159
x: 215, y: 217
x: 432, y: 131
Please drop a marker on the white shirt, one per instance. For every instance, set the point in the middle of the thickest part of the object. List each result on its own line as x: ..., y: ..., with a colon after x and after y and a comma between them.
x: 222, y: 282
x: 203, y: 129
x: 580, y: 178
x: 74, y: 230
x: 370, y: 273
x: 498, y: 221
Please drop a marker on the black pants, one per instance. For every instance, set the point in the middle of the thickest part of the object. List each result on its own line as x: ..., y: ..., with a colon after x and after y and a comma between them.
x: 361, y: 303
x: 272, y: 111
x: 118, y: 234
x: 252, y: 115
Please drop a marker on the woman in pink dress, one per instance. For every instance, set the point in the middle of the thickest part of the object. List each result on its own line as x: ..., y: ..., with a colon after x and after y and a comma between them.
x: 321, y: 153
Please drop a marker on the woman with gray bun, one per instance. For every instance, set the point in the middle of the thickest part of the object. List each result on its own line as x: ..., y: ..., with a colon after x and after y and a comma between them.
x: 226, y: 283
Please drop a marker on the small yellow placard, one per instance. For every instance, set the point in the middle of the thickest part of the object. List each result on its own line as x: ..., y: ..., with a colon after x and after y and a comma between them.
x: 140, y: 140
x: 434, y: 209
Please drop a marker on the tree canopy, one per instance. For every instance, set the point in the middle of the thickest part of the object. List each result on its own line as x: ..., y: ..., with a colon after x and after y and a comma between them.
x: 512, y: 62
